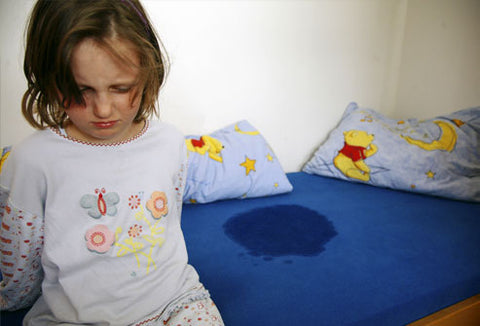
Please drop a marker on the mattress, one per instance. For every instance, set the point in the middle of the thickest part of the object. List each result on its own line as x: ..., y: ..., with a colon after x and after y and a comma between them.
x: 332, y: 252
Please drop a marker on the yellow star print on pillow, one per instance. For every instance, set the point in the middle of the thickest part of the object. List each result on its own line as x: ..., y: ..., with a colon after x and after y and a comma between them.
x: 249, y: 165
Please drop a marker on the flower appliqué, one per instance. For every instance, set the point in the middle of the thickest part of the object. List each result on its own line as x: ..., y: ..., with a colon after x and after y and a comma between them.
x: 140, y: 241
x: 135, y: 231
x: 157, y: 204
x: 99, y: 239
x: 134, y: 201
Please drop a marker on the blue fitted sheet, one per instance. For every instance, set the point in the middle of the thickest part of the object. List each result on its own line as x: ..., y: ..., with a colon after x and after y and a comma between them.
x: 388, y: 257
x: 332, y: 253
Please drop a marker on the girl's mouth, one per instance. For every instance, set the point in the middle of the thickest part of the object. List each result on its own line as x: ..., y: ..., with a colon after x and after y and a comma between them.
x: 104, y: 125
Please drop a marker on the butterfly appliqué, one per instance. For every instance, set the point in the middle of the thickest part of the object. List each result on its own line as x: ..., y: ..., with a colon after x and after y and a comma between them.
x: 100, y: 204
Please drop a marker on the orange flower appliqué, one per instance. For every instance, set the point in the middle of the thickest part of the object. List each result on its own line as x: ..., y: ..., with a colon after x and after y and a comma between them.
x: 157, y: 204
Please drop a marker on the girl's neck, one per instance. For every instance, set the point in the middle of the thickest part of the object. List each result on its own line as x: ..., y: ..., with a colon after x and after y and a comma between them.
x: 134, y: 131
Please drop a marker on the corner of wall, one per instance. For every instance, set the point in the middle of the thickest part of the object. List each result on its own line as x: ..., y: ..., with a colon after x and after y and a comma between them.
x: 392, y: 75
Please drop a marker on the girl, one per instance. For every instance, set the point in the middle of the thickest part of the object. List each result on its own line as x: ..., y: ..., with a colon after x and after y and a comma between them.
x: 91, y: 203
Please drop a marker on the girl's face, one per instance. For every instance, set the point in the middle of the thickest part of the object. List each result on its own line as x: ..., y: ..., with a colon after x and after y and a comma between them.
x: 109, y: 88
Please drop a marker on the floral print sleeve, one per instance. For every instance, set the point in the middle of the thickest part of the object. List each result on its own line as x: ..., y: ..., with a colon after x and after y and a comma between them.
x: 21, y: 243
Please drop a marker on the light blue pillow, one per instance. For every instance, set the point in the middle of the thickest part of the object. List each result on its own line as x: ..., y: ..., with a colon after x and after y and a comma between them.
x: 440, y: 156
x: 233, y: 162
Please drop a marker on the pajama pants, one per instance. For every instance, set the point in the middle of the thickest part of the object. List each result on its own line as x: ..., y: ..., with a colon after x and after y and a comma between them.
x: 198, y: 313
x: 194, y: 308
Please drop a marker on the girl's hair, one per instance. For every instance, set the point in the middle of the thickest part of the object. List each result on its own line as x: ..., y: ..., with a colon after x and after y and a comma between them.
x: 56, y: 27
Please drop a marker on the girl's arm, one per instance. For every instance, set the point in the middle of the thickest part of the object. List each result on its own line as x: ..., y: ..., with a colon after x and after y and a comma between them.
x: 21, y: 232
x: 21, y: 243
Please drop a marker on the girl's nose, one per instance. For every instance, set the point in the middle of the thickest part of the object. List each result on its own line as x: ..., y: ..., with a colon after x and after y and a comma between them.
x: 103, y: 105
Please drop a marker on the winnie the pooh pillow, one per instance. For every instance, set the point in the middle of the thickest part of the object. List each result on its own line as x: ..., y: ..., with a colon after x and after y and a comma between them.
x: 439, y: 156
x: 234, y: 162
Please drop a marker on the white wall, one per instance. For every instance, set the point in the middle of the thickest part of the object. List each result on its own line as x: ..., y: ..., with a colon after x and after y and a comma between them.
x: 12, y: 82
x: 290, y: 67
x: 440, y: 66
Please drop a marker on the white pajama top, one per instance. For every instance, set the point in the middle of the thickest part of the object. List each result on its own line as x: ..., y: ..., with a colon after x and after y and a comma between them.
x: 94, y: 230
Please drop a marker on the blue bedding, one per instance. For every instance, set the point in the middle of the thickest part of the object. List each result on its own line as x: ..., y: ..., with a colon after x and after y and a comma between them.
x: 332, y: 252
x: 377, y: 256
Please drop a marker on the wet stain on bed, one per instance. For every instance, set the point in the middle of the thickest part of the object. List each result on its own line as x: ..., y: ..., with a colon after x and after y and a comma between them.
x: 281, y: 230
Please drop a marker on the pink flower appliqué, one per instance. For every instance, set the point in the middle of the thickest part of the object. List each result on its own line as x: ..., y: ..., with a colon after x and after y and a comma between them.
x: 157, y: 204
x: 99, y: 239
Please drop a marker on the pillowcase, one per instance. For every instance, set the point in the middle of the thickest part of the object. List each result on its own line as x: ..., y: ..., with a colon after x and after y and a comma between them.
x: 233, y: 162
x: 440, y: 156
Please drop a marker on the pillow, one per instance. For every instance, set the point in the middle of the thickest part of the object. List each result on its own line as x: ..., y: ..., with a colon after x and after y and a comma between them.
x: 440, y: 156
x: 233, y: 162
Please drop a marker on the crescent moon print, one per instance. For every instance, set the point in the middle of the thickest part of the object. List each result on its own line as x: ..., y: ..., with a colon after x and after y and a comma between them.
x: 251, y: 133
x: 446, y: 142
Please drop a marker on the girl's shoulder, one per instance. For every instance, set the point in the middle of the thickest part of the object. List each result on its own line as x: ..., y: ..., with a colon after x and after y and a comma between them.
x: 34, y: 144
x: 162, y: 128
x: 27, y: 159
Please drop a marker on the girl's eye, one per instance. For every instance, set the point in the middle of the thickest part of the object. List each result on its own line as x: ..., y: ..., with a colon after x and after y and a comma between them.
x: 122, y: 90
x: 85, y: 89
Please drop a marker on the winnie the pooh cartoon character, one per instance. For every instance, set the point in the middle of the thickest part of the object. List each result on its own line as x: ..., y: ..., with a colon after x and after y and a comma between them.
x: 350, y: 159
x: 206, y: 144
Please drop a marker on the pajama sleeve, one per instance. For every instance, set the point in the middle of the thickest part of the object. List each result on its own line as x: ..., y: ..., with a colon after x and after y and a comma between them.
x: 21, y: 244
x: 181, y: 177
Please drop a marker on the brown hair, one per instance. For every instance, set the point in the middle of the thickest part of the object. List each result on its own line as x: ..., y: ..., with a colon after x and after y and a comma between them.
x: 56, y: 27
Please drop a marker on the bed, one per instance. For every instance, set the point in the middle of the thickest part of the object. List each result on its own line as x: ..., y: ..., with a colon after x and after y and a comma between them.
x: 379, y: 257
x: 322, y: 247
